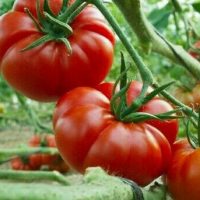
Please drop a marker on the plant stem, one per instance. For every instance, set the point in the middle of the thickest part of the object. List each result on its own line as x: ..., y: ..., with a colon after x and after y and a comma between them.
x: 145, y: 73
x: 6, y: 154
x: 31, y: 176
x: 132, y: 11
x: 32, y: 116
x: 70, y: 10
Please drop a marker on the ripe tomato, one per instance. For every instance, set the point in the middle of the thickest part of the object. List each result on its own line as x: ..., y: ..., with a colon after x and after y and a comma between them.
x: 106, y: 88
x: 54, y: 162
x: 58, y: 164
x: 87, y: 134
x: 45, y: 72
x: 169, y: 128
x: 45, y: 141
x: 156, y: 106
x: 32, y: 162
x: 183, y: 177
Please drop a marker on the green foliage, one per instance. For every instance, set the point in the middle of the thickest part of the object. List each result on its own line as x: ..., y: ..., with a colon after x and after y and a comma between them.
x: 196, y: 6
x: 159, y: 17
x: 5, y: 5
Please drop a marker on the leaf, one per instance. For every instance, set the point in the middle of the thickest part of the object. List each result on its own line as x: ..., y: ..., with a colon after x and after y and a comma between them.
x: 159, y: 17
x: 196, y: 6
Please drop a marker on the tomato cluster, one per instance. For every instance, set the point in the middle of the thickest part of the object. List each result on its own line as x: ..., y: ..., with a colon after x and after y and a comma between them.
x: 38, y: 160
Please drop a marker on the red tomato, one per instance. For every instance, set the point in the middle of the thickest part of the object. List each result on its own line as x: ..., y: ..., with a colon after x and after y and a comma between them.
x: 45, y: 141
x: 54, y: 162
x: 58, y: 164
x: 107, y: 88
x: 87, y: 134
x: 45, y: 72
x: 169, y: 128
x: 87, y: 95
x: 32, y: 162
x: 183, y: 177
x: 134, y: 91
x: 156, y: 106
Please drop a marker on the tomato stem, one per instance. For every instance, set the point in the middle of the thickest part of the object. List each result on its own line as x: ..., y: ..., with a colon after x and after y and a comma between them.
x: 33, y: 118
x: 34, y: 176
x: 76, y: 12
x: 38, y: 26
x: 70, y: 10
x: 6, y: 154
x: 146, y: 74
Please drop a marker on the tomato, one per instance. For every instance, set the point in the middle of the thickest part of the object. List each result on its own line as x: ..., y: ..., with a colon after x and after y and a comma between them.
x: 88, y: 134
x: 168, y: 127
x: 106, y: 88
x: 58, y: 164
x: 45, y: 141
x: 156, y: 106
x: 32, y: 162
x: 47, y: 71
x: 54, y: 162
x: 183, y: 177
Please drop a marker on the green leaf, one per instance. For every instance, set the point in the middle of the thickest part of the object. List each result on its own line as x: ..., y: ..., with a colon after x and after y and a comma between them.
x: 196, y: 6
x: 159, y: 17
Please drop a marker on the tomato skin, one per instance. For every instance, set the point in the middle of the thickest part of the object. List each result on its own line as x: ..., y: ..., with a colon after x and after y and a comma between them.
x: 106, y: 88
x: 83, y: 96
x: 168, y: 127
x: 33, y: 162
x: 183, y: 177
x: 51, y: 71
x: 87, y: 134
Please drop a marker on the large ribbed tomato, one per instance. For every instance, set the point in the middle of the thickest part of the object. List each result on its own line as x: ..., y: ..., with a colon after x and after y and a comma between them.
x: 45, y: 72
x: 88, y: 134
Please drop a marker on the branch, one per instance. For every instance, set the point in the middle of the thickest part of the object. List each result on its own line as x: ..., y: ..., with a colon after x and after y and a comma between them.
x: 33, y: 176
x: 95, y: 184
x: 7, y: 154
x: 151, y: 39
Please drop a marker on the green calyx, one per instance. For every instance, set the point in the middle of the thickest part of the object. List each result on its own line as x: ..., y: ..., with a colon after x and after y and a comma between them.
x: 54, y: 27
x: 130, y: 113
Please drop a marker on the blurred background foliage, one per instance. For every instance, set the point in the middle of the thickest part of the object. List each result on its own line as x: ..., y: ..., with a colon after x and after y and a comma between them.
x: 178, y: 26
